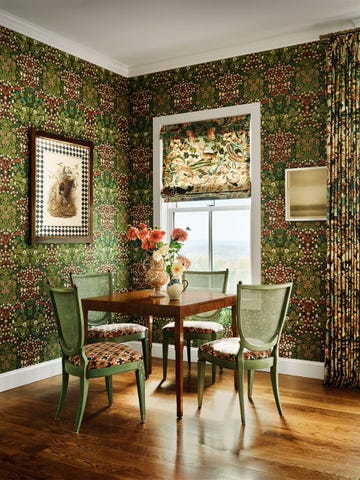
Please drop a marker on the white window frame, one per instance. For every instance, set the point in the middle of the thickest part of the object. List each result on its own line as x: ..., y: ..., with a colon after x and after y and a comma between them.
x: 160, y: 217
x: 171, y: 209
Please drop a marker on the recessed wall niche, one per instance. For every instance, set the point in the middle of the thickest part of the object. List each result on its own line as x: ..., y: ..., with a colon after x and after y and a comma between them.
x: 305, y: 193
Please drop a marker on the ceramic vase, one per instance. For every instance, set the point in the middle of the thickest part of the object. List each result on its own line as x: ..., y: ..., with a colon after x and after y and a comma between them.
x: 175, y: 287
x: 156, y: 276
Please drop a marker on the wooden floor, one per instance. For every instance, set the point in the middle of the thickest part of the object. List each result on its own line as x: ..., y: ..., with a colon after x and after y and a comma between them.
x: 318, y: 437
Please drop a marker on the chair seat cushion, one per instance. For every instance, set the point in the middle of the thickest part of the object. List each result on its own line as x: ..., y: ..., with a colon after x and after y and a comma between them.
x: 112, y: 330
x: 107, y: 354
x: 196, y: 326
x: 228, y: 348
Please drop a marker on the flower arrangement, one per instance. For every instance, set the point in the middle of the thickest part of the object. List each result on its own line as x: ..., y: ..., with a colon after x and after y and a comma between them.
x: 151, y: 240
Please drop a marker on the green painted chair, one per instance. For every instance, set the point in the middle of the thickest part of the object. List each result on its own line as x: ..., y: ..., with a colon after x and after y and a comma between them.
x: 261, y: 313
x: 102, y: 359
x: 100, y: 328
x: 204, y: 326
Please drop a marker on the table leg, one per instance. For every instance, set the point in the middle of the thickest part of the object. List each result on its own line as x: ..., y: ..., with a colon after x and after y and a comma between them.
x: 235, y: 334
x: 179, y: 365
x: 149, y: 324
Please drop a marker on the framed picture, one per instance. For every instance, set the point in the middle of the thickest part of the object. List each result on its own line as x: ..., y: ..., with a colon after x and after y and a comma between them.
x: 305, y: 193
x: 61, y: 193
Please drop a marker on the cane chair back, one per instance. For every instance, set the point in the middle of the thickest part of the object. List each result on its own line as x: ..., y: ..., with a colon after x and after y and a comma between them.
x: 201, y: 327
x: 261, y: 313
x: 94, y: 285
x: 100, y: 327
x: 201, y: 280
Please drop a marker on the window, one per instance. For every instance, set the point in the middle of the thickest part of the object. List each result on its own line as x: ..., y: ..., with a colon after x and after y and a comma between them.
x: 224, y: 233
x: 219, y: 237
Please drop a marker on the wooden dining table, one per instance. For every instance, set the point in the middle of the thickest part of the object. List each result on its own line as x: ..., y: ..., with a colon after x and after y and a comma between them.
x: 141, y: 303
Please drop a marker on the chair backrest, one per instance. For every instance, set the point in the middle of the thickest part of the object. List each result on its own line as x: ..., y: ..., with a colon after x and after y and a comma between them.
x: 69, y: 319
x: 94, y: 285
x: 261, y: 313
x: 203, y: 280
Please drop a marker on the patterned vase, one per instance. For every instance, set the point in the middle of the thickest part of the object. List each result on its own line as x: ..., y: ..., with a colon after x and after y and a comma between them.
x: 156, y: 276
x: 175, y: 287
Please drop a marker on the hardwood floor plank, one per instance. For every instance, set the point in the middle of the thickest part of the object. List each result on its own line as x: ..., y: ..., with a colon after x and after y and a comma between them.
x: 318, y: 437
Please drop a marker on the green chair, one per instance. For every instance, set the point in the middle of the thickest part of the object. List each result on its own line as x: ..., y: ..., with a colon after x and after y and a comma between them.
x: 93, y: 360
x: 261, y: 313
x: 204, y: 326
x: 100, y: 328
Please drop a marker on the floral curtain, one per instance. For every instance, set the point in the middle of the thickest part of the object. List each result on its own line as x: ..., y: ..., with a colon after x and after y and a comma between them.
x: 209, y: 159
x: 342, y: 353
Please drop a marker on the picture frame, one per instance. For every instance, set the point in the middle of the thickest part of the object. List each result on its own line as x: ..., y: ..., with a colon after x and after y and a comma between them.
x: 305, y: 194
x: 61, y: 189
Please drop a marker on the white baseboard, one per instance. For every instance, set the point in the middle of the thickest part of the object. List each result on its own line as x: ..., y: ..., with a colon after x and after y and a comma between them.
x: 287, y: 366
x: 34, y: 373
x: 301, y: 368
x: 41, y: 371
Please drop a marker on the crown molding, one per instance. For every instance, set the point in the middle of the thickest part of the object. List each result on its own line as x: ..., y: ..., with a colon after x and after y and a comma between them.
x: 270, y: 43
x: 61, y: 43
x: 73, y: 48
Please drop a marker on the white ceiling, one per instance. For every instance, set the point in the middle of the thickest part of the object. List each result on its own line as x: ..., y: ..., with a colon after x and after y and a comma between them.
x: 134, y: 37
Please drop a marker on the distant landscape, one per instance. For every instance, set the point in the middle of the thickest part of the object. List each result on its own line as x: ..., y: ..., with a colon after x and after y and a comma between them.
x: 228, y: 254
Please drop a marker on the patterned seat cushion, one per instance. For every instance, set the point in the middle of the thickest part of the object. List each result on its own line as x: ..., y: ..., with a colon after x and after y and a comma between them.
x: 228, y: 348
x: 107, y: 354
x: 112, y: 330
x: 196, y: 326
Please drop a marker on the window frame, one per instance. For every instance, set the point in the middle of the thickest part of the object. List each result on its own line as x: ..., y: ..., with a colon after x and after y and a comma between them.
x: 160, y: 211
x: 172, y: 209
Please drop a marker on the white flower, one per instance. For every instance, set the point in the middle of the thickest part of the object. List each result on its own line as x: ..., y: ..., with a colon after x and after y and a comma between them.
x: 158, y: 254
x: 177, y: 269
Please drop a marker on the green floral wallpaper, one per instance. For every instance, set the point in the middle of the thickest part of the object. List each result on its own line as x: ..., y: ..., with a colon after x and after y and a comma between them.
x: 45, y: 88
x: 290, y: 85
x: 50, y: 90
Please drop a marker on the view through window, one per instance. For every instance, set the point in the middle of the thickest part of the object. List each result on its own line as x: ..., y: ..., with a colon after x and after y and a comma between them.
x: 219, y: 237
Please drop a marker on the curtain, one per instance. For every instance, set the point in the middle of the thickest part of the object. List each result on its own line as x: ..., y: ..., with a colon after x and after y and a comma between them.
x: 342, y: 352
x: 209, y: 159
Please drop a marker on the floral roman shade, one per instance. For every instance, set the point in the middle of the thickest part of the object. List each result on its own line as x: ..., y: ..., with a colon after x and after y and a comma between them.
x: 208, y: 159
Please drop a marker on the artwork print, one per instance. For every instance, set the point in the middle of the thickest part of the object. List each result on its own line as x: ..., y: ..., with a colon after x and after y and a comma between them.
x: 61, y: 189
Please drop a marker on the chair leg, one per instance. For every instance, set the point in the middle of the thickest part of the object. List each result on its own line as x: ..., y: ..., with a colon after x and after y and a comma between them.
x: 64, y: 387
x: 165, y: 350
x: 108, y: 382
x: 140, y: 382
x: 201, y: 381
x: 188, y: 348
x: 275, y: 387
x: 145, y: 349
x: 241, y: 391
x: 213, y: 373
x: 84, y: 388
x: 250, y: 383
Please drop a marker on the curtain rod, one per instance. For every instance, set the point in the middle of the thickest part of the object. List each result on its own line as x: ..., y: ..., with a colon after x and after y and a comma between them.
x: 343, y: 32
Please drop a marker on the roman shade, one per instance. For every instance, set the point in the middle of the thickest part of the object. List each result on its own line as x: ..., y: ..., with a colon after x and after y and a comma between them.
x: 208, y: 159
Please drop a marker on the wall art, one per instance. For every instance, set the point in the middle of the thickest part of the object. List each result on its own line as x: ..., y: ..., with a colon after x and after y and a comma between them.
x: 61, y: 192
